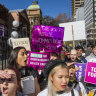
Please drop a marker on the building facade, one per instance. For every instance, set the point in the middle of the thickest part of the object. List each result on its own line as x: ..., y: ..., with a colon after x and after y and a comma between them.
x: 75, y: 5
x: 80, y: 14
x: 19, y: 15
x: 90, y: 19
x: 3, y: 34
x: 35, y: 15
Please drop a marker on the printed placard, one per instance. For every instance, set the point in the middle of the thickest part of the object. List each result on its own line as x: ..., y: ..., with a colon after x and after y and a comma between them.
x: 22, y: 42
x: 38, y: 60
x: 48, y: 38
x: 90, y: 76
x: 81, y: 72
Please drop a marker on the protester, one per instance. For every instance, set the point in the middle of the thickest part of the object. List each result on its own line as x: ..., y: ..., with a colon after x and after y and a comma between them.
x: 92, y: 56
x: 73, y: 56
x: 73, y: 82
x: 79, y: 54
x: 56, y: 72
x: 88, y: 51
x: 18, y: 59
x: 9, y: 86
x: 53, y: 55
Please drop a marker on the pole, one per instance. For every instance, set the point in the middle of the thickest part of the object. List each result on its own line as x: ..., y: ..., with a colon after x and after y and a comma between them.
x: 73, y: 37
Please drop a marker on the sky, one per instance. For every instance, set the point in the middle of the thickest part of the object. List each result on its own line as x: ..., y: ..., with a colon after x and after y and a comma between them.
x: 48, y: 7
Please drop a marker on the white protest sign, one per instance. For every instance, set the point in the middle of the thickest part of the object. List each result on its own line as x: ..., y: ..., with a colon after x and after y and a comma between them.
x: 78, y: 29
x: 21, y: 42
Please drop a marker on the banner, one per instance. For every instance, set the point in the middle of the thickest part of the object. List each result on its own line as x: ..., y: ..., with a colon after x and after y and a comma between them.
x: 81, y: 72
x: 1, y: 30
x: 90, y: 76
x: 38, y: 60
x: 48, y: 38
x: 22, y: 42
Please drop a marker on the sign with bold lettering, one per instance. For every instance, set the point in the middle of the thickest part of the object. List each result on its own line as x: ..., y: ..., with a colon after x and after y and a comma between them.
x: 21, y: 42
x: 90, y: 76
x: 81, y: 72
x: 1, y: 30
x: 48, y: 38
x: 38, y: 60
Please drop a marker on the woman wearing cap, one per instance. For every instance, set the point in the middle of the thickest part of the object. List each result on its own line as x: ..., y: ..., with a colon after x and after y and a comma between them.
x: 57, y: 73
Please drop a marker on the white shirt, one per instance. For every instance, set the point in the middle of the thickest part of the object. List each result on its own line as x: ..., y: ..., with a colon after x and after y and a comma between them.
x: 44, y: 93
x: 82, y: 89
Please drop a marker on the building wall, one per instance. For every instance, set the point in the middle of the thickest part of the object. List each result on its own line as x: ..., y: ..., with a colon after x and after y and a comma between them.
x: 80, y: 14
x: 4, y: 38
x: 33, y: 12
x: 90, y: 18
x: 75, y: 5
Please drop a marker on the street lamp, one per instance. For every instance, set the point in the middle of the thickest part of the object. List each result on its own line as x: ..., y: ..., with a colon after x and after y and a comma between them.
x: 14, y: 33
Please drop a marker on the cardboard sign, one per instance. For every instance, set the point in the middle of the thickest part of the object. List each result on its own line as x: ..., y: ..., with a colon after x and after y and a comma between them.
x: 38, y: 60
x: 48, y: 38
x: 22, y: 42
x: 81, y: 72
x: 27, y: 84
x: 90, y: 76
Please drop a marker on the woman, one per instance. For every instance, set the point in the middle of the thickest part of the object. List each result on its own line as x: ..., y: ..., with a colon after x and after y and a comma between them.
x: 18, y: 59
x: 57, y: 74
x: 9, y: 86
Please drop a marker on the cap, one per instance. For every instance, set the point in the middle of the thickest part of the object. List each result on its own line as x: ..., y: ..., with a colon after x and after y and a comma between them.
x: 52, y: 64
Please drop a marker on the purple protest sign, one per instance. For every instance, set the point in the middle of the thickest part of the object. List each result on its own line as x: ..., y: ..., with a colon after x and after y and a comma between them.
x: 48, y: 38
x: 1, y: 30
x: 38, y: 60
x: 90, y: 76
x: 81, y: 72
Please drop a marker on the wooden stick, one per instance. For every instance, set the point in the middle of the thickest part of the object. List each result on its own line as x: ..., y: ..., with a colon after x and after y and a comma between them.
x: 73, y: 37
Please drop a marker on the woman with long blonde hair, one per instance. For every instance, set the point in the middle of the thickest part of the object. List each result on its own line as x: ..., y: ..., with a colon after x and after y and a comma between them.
x: 57, y: 73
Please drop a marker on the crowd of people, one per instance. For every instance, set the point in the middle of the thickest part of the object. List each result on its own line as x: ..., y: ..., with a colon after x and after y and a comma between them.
x: 58, y: 78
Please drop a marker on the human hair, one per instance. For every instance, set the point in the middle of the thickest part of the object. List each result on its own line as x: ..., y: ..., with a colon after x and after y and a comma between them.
x: 93, y: 46
x: 54, y: 53
x: 13, y: 56
x: 18, y: 76
x: 78, y: 47
x: 51, y: 91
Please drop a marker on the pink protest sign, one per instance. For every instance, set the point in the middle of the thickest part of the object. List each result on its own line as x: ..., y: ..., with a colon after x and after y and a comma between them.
x: 38, y: 60
x: 90, y: 75
x: 48, y: 38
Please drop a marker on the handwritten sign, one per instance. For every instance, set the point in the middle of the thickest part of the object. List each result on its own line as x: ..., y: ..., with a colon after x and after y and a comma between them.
x: 38, y: 60
x: 81, y: 72
x: 90, y: 76
x: 48, y: 38
x: 22, y: 42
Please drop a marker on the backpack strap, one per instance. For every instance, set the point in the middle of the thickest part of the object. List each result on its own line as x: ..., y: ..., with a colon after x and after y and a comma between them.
x: 72, y: 92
